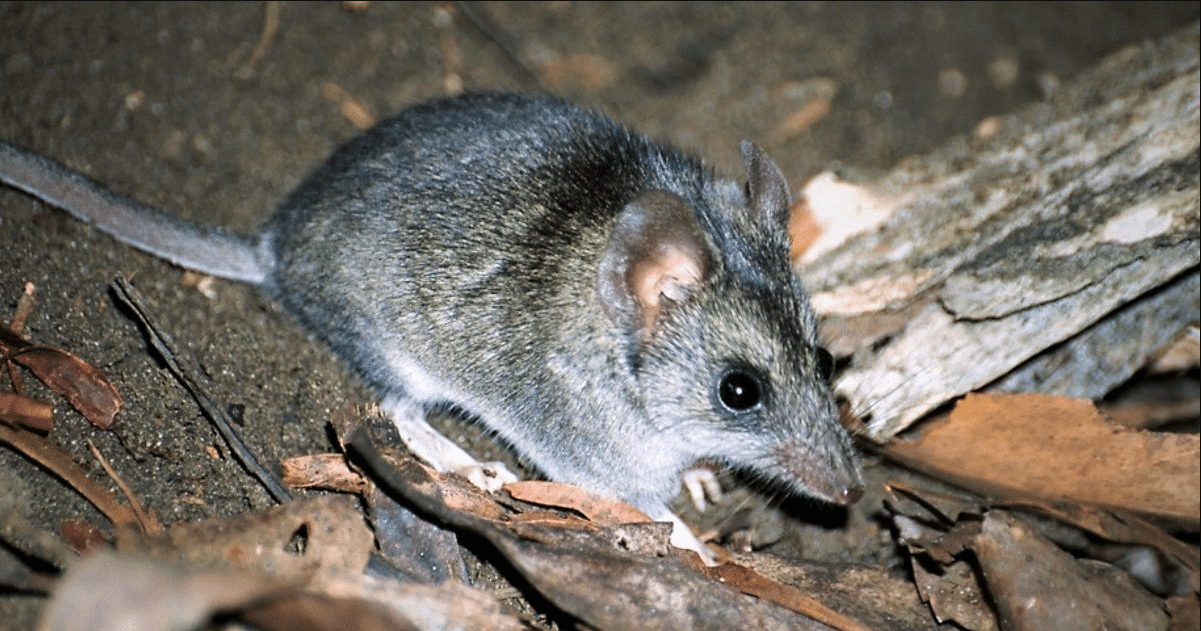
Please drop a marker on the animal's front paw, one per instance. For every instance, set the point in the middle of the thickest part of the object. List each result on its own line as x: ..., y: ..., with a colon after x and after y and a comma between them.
x: 702, y: 487
x: 487, y: 476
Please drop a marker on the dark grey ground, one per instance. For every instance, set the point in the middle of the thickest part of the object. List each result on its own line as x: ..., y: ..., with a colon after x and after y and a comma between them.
x: 155, y: 101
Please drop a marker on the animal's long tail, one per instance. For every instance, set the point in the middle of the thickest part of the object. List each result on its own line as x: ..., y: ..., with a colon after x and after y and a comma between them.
x: 187, y: 244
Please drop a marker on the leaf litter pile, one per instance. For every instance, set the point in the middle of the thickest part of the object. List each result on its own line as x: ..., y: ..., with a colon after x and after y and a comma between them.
x: 1026, y: 504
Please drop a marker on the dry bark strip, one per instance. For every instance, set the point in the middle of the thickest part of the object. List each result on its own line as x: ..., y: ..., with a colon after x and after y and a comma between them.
x: 997, y: 249
x: 597, y: 580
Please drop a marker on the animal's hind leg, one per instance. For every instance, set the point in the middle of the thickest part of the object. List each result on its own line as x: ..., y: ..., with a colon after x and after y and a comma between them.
x: 439, y: 451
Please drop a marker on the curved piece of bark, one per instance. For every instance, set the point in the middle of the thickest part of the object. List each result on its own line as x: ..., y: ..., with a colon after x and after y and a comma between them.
x: 1001, y: 247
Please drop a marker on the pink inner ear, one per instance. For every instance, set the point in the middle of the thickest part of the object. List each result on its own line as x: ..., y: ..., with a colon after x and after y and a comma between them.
x: 673, y: 275
x: 656, y: 254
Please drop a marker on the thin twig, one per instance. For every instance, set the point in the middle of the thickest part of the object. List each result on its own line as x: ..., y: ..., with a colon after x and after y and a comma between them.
x: 130, y: 296
x: 59, y: 463
x: 147, y: 519
x: 479, y: 17
x: 271, y: 12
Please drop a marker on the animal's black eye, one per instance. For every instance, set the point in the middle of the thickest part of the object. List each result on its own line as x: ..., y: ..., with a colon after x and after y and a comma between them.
x: 740, y: 390
x: 825, y: 363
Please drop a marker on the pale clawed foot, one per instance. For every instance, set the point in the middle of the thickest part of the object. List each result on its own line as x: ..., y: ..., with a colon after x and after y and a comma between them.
x: 488, y: 476
x: 439, y: 451
x: 702, y: 487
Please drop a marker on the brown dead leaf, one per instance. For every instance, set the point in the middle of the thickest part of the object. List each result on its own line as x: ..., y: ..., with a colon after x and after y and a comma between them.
x: 945, y: 546
x: 1185, y: 612
x: 877, y: 597
x: 1036, y: 586
x: 602, y: 510
x: 20, y: 410
x: 1033, y: 445
x: 271, y: 12
x: 749, y: 581
x: 24, y: 307
x: 1120, y: 528
x: 459, y: 494
x: 84, y: 385
x: 551, y: 518
x: 351, y: 108
x: 1139, y: 415
x: 321, y: 471
x: 937, y: 528
x: 83, y: 537
x: 59, y: 462
x: 814, y: 98
x: 804, y: 118
x: 930, y: 506
x: 1182, y: 353
x: 954, y: 595
x: 803, y: 229
x: 609, y: 589
x: 591, y: 72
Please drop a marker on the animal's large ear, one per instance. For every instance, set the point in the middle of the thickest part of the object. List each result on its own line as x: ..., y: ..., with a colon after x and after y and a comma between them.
x: 766, y: 185
x: 656, y: 258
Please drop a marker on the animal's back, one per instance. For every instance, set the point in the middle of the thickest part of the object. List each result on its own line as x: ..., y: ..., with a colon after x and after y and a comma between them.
x: 457, y: 243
